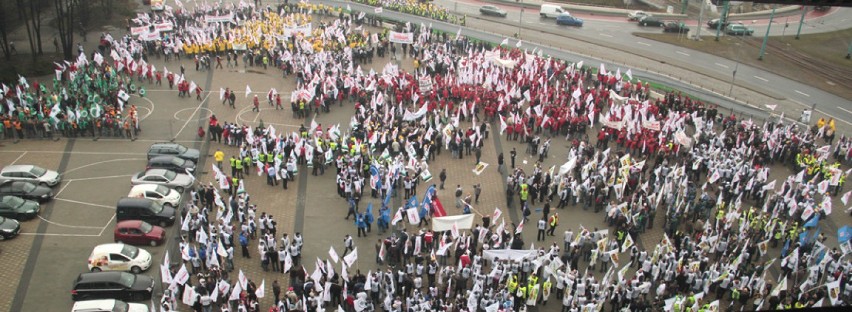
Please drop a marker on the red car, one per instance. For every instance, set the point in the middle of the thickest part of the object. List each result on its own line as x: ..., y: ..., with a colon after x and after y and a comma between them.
x: 135, y: 232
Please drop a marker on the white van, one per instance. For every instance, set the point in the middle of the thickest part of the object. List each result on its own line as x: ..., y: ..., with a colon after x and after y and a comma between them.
x: 551, y: 11
x: 108, y: 305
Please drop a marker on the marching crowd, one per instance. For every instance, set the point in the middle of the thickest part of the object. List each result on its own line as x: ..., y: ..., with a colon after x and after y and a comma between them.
x: 735, y: 235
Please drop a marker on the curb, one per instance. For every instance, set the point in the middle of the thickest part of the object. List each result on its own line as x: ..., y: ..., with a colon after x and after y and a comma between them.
x: 783, y: 11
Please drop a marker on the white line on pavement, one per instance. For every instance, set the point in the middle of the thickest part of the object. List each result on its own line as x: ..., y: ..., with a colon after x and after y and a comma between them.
x: 19, y: 158
x: 72, y: 153
x: 107, y: 224
x: 98, y: 163
x: 845, y: 110
x: 193, y: 114
x: 606, y: 35
x: 761, y: 78
x: 101, y: 178
x: 802, y: 93
x: 61, y: 234
x: 642, y: 43
x: 85, y: 203
x: 682, y: 53
x: 722, y: 65
x: 69, y: 226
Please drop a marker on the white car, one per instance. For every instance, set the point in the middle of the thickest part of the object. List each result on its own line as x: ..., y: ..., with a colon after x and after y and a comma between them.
x: 637, y: 15
x: 29, y: 173
x: 108, y: 305
x: 179, y: 181
x: 119, y: 257
x: 158, y: 193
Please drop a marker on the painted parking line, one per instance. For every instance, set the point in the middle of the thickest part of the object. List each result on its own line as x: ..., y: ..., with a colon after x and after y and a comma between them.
x: 722, y: 65
x: 606, y: 35
x: 761, y: 78
x: 642, y: 43
x: 802, y: 93
x: 845, y: 110
x: 682, y: 53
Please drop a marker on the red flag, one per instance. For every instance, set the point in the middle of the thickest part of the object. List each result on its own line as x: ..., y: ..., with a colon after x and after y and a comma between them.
x: 439, y: 209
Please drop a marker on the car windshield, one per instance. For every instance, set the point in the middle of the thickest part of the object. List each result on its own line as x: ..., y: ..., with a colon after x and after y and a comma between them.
x: 38, y: 171
x: 156, y: 208
x: 145, y: 227
x: 120, y: 306
x: 162, y: 190
x: 169, y: 175
x: 127, y: 279
x: 129, y: 251
x: 13, y: 201
x: 28, y: 187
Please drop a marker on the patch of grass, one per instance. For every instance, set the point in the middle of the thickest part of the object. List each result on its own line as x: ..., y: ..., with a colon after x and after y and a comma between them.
x: 24, y: 65
x: 814, y: 59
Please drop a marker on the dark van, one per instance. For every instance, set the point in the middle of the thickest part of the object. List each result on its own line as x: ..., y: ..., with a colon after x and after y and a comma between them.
x: 144, y: 209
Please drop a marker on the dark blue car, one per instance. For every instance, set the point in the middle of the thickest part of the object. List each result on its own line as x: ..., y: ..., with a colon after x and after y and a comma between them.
x: 568, y: 20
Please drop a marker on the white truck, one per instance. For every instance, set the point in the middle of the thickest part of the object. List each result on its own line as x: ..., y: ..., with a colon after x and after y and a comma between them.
x: 551, y: 11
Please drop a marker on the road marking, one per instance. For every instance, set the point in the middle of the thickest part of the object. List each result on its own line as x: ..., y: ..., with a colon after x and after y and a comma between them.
x: 761, y: 78
x: 98, y: 163
x: 722, y: 65
x: 107, y: 224
x: 845, y: 110
x: 85, y: 203
x: 606, y: 35
x: 642, y: 43
x: 19, y: 158
x: 69, y: 226
x: 682, y: 53
x: 61, y: 234
x: 188, y: 119
x: 100, y: 178
x: 802, y: 93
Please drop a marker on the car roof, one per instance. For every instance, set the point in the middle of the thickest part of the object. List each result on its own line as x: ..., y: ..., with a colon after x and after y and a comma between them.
x: 164, y: 158
x: 107, y: 248
x: 17, y: 168
x: 143, y: 187
x: 94, y: 305
x: 106, y: 276
x: 134, y: 201
x: 156, y: 171
x: 129, y: 223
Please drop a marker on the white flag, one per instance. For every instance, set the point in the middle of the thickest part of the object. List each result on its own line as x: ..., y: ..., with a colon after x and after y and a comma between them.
x: 188, y: 295
x: 333, y: 254
x: 235, y: 293
x: 505, y: 41
x: 260, y: 292
x: 351, y: 257
x: 243, y: 280
x: 248, y: 91
x: 518, y: 45
x: 221, y: 94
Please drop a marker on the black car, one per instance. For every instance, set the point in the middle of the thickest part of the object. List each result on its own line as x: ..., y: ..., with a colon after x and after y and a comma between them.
x: 172, y: 163
x: 173, y: 149
x: 18, y: 208
x: 112, y: 285
x: 714, y: 23
x: 26, y: 190
x: 650, y: 21
x: 676, y: 27
x: 492, y: 10
x: 9, y: 228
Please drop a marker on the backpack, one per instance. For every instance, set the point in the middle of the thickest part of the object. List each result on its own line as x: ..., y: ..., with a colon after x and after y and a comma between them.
x: 458, y: 193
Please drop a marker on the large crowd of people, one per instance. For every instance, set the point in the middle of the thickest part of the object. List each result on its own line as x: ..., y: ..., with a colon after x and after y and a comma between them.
x: 735, y: 235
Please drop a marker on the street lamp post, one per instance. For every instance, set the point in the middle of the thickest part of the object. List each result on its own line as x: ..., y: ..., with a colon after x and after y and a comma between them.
x: 766, y: 37
x: 700, y: 16
x: 801, y: 21
x: 521, y: 20
x: 722, y: 18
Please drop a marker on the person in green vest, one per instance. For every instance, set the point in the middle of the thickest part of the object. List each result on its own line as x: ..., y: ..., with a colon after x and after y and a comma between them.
x: 261, y: 157
x: 525, y: 193
x: 238, y: 164
x: 246, y: 164
x: 234, y: 184
x: 270, y: 159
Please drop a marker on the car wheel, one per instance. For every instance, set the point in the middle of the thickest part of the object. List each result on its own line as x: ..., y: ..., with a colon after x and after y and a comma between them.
x: 179, y: 189
x: 153, y: 243
x: 135, y: 270
x: 96, y: 269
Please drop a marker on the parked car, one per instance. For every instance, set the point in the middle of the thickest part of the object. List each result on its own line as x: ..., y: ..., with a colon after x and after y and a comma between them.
x: 492, y: 10
x: 158, y: 193
x: 26, y: 190
x: 567, y: 19
x: 676, y: 27
x: 9, y: 228
x: 714, y: 23
x: 138, y: 232
x: 650, y: 21
x: 172, y: 163
x: 177, y: 181
x: 30, y: 173
x: 119, y: 257
x: 108, y: 305
x: 637, y: 15
x: 738, y: 29
x: 112, y: 285
x: 551, y: 10
x: 18, y: 208
x: 173, y: 149
x: 144, y: 209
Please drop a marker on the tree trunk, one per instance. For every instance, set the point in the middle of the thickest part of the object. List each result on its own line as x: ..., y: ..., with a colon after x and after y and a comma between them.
x: 65, y: 26
x: 4, y: 40
x: 35, y: 11
x: 23, y: 12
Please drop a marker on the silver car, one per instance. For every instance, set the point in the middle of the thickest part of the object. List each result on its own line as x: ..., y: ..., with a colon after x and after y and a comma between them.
x: 30, y: 173
x: 177, y: 181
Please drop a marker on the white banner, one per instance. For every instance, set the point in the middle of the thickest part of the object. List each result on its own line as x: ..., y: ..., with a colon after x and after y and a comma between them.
x: 464, y: 222
x: 425, y: 84
x: 219, y: 19
x: 514, y: 255
x: 151, y: 36
x: 138, y: 30
x: 398, y: 37
x: 166, y: 26
x: 305, y: 30
x: 239, y: 46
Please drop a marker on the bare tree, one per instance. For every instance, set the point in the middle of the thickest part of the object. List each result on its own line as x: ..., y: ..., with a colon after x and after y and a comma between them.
x: 4, y: 38
x: 22, y: 12
x: 35, y: 20
x: 65, y: 25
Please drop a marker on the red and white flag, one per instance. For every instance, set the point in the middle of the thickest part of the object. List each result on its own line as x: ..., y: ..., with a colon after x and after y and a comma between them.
x: 498, y: 213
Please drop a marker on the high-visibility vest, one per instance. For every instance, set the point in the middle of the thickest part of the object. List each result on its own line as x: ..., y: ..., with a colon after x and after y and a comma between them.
x: 554, y: 220
x: 239, y: 164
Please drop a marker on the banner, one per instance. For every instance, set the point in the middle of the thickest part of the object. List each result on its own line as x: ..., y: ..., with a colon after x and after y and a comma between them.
x: 651, y: 125
x: 305, y: 30
x: 464, y: 222
x: 219, y: 19
x: 511, y: 254
x: 239, y: 46
x: 425, y: 84
x: 166, y: 26
x: 151, y: 36
x: 138, y: 30
x: 397, y: 37
x: 617, y: 125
